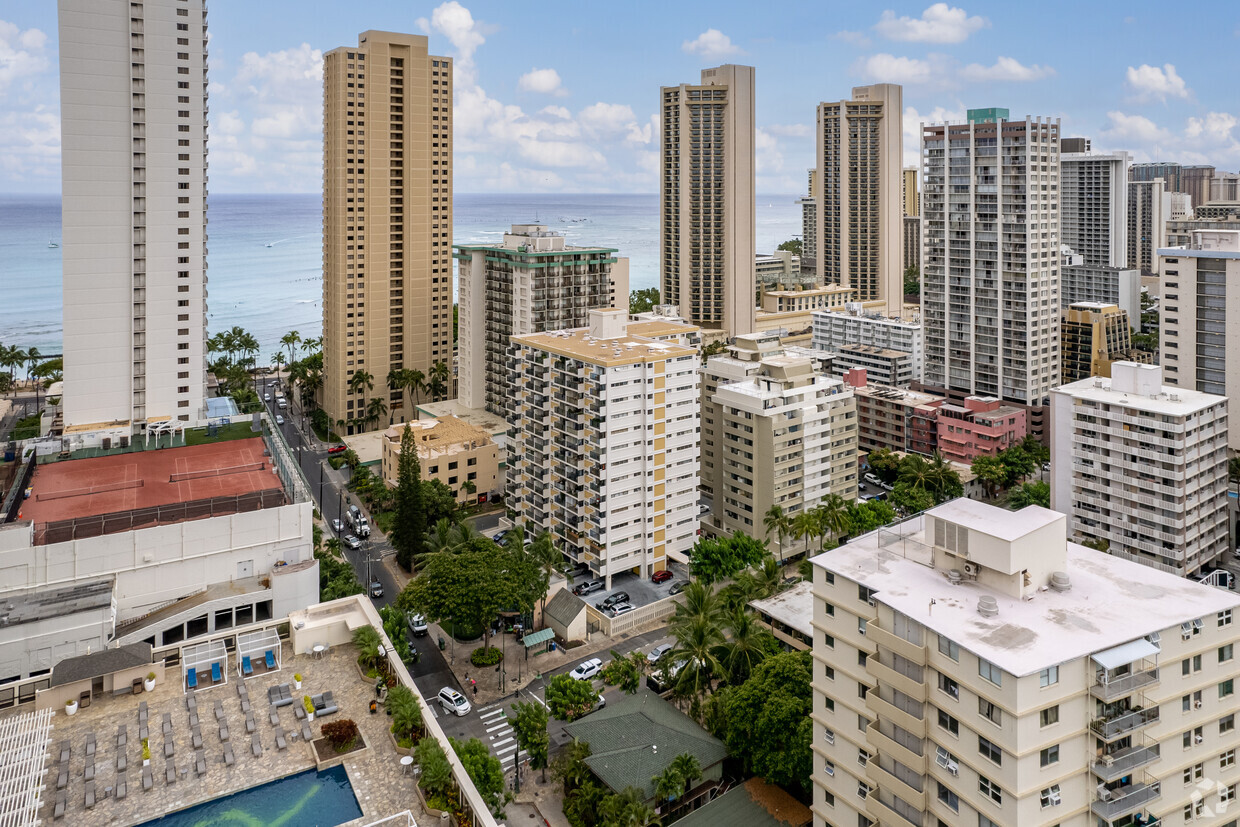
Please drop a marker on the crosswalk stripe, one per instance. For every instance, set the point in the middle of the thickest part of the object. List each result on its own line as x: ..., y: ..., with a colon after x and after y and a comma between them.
x: 488, y: 717
x: 499, y: 744
x: 499, y: 726
x: 506, y: 750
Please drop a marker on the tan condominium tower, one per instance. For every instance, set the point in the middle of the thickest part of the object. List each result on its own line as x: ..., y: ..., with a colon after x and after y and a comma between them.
x: 706, y: 201
x: 387, y: 224
x: 860, y: 145
x: 133, y: 102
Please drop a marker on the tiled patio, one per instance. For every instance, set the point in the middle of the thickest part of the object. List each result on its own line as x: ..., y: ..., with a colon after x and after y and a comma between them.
x: 375, y: 773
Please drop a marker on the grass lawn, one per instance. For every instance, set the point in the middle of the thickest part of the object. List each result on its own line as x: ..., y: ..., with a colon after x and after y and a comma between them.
x: 26, y: 428
x: 235, y: 430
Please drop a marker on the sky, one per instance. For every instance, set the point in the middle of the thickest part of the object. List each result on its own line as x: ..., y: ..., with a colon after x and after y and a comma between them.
x: 563, y: 96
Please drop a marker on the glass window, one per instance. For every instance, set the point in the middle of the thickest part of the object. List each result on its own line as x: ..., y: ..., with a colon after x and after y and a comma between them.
x: 1050, y: 676
x: 949, y: 647
x: 990, y: 672
x: 949, y: 723
x: 1050, y: 755
x: 1050, y: 796
x: 989, y: 788
x: 990, y: 749
x: 949, y: 798
x: 989, y: 711
x: 1050, y: 715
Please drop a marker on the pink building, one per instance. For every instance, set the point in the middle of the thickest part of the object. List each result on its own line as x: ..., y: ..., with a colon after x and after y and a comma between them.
x: 982, y: 425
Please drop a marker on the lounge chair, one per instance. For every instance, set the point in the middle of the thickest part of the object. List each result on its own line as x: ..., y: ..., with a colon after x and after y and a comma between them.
x: 62, y: 801
x: 196, y: 737
x: 90, y: 744
x: 169, y: 746
x: 256, y: 746
x: 148, y: 780
x: 270, y: 658
x: 223, y: 731
x: 121, y: 762
x: 170, y: 771
x: 191, y: 679
x: 219, y: 710
x: 142, y: 712
x: 324, y: 704
x: 306, y: 734
x: 90, y: 795
x: 242, y: 692
x: 274, y: 717
x: 191, y: 703
x: 245, y: 704
x: 200, y: 762
x: 122, y: 787
x: 144, y: 732
x: 62, y: 777
x: 167, y: 723
x: 246, y: 667
x: 193, y: 719
x: 280, y: 742
x: 229, y: 758
x: 89, y: 773
x: 122, y: 736
x: 216, y: 674
x: 65, y: 751
x: 249, y: 721
x: 299, y: 711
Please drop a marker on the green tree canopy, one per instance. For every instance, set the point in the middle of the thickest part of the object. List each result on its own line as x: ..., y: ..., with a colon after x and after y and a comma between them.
x: 484, y: 770
x: 912, y: 281
x: 1029, y: 493
x: 767, y: 721
x: 569, y: 699
x: 1017, y: 463
x: 436, y: 776
x: 991, y: 471
x: 867, y: 516
x: 911, y: 500
x: 644, y: 300
x: 409, y: 527
x: 529, y: 725
x: 885, y: 463
x: 717, y: 558
x: 792, y: 245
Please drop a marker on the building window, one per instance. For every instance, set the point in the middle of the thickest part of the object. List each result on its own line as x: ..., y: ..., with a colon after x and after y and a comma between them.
x: 949, y: 686
x: 949, y: 798
x: 1225, y: 653
x: 989, y: 788
x: 1190, y: 665
x: 1227, y: 795
x: 1049, y: 756
x: 1049, y: 716
x: 1227, y: 724
x: 990, y: 672
x: 949, y: 723
x: 1227, y: 759
x: 1050, y: 796
x: 1192, y: 737
x: 1194, y: 773
x: 1227, y: 687
x: 1050, y: 676
x: 990, y: 749
x: 950, y: 648
x: 1224, y: 617
x: 989, y: 711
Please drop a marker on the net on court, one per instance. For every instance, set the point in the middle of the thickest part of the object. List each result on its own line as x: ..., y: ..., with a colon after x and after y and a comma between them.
x: 217, y: 472
x: 88, y: 491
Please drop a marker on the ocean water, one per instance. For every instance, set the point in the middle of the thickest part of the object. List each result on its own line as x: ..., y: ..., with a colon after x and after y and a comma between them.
x: 265, y: 253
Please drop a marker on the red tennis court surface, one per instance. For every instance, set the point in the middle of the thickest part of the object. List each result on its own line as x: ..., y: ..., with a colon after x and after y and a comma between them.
x: 103, y: 485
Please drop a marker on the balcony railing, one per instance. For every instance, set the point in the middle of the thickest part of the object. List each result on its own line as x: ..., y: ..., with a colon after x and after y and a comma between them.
x: 1125, y: 800
x: 1109, y: 689
x: 1121, y: 763
x: 1124, y: 724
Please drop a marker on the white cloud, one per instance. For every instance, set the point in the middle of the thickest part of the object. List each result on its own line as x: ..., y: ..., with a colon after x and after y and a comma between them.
x: 542, y: 81
x: 887, y: 68
x: 21, y: 53
x: 1124, y: 129
x: 1153, y: 83
x: 1005, y: 69
x: 30, y: 148
x: 1210, y: 139
x: 606, y: 118
x: 556, y: 112
x: 286, y: 75
x: 939, y: 23
x: 912, y: 128
x: 1214, y: 127
x: 230, y: 123
x: 790, y: 130
x: 711, y: 44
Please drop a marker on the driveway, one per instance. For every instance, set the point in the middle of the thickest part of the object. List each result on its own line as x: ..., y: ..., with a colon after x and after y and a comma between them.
x: 641, y: 591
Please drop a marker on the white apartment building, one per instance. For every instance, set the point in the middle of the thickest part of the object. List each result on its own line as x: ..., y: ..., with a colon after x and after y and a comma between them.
x: 133, y: 124
x: 603, y: 440
x: 809, y: 226
x: 854, y: 325
x: 1142, y: 466
x: 706, y: 199
x: 974, y: 667
x: 1081, y: 282
x: 1093, y: 213
x: 785, y: 435
x: 1200, y: 314
x: 1149, y: 207
x: 530, y: 282
x: 860, y: 151
x: 990, y: 284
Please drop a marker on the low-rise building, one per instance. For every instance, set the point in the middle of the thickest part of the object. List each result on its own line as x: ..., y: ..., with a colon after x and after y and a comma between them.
x: 854, y: 325
x: 886, y: 415
x: 780, y: 270
x: 1142, y: 467
x: 789, y: 312
x: 461, y: 456
x: 789, y: 615
x: 978, y: 425
x: 975, y: 667
x: 1093, y: 336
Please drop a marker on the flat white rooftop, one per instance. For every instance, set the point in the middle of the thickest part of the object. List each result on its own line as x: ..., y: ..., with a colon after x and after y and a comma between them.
x: 793, y: 607
x: 1171, y: 400
x: 1112, y: 601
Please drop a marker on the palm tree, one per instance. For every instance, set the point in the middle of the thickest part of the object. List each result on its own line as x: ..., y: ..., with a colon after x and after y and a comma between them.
x: 277, y: 359
x: 417, y: 384
x: 687, y: 765
x: 777, y: 523
x: 805, y: 526
x: 832, y: 517
x: 396, y: 382
x: 549, y: 559
x: 290, y: 340
x: 367, y: 641
x: 769, y: 578
x: 470, y: 489
x: 406, y: 711
x: 12, y: 357
x: 697, y: 649
x: 361, y: 382
x: 375, y: 410
x: 915, y: 472
x: 439, y: 378
x: 668, y: 785
x: 33, y: 357
x: 700, y: 603
x: 747, y: 645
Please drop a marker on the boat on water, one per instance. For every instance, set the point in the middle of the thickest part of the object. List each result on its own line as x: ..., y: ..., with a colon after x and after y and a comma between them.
x: 51, y: 245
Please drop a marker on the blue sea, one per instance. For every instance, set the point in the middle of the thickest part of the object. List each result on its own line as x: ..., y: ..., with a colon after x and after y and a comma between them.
x: 265, y: 253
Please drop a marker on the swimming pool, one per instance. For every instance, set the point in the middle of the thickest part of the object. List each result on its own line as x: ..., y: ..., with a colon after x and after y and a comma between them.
x: 317, y: 799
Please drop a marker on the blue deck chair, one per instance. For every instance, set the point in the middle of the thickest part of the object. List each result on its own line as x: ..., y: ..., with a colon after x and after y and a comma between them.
x: 215, y: 673
x: 246, y: 668
x: 271, y: 660
x: 191, y: 679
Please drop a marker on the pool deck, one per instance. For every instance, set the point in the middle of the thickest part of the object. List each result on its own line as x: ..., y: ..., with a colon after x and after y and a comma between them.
x: 375, y: 773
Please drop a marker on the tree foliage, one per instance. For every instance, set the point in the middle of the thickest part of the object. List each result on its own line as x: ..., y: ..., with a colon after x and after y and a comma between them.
x: 792, y: 245
x: 409, y: 527
x: 484, y: 770
x: 623, y: 671
x: 1029, y: 493
x: 406, y: 712
x: 718, y: 558
x: 867, y: 516
x: 885, y: 463
x: 529, y: 725
x: 912, y: 281
x: 643, y: 301
x: 436, y: 775
x: 991, y: 471
x: 569, y: 699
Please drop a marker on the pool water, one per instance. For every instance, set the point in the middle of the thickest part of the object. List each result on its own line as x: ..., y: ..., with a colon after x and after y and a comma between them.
x: 307, y: 799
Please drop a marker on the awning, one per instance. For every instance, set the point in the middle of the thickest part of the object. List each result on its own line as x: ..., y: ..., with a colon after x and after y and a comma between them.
x: 541, y: 636
x: 1129, y: 652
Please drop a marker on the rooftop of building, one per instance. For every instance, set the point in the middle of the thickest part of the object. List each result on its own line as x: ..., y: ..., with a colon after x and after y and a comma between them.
x: 874, y: 350
x: 439, y: 435
x: 31, y: 606
x: 1111, y: 600
x: 656, y: 328
x: 906, y: 397
x: 611, y: 351
x: 493, y: 424
x: 792, y: 607
x: 1149, y: 394
x: 755, y: 803
x: 866, y: 314
x: 817, y: 290
x: 77, y: 488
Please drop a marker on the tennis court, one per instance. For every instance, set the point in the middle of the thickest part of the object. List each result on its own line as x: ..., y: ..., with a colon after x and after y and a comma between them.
x: 145, y: 479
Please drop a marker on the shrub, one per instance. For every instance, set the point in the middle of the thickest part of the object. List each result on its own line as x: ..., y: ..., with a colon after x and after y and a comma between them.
x: 488, y: 656
x: 341, y: 734
x: 308, y: 704
x: 436, y: 774
x: 146, y: 750
x: 150, y: 676
x: 297, y: 677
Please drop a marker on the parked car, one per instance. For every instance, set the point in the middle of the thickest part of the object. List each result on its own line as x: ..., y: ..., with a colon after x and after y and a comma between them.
x: 658, y: 652
x: 499, y: 536
x: 352, y: 541
x: 417, y: 625
x: 337, y: 526
x: 586, y: 669
x: 266, y: 397
x: 886, y: 486
x: 589, y: 587
x: 872, y: 479
x: 661, y: 576
x: 621, y: 609
x: 614, y: 600
x: 579, y: 570
x: 678, y: 587
x: 337, y: 449
x: 454, y: 702
x: 376, y: 589
x: 282, y: 403
x: 279, y: 419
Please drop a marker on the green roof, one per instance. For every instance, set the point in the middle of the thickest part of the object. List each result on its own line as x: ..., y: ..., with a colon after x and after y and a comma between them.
x: 535, y: 638
x: 637, y: 738
x: 753, y: 804
x: 563, y: 607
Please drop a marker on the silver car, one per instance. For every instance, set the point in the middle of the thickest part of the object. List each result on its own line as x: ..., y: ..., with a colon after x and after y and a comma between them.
x: 658, y: 652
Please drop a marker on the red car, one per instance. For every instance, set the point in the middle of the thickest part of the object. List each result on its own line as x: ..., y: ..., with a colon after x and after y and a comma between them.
x: 337, y: 449
x: 661, y: 576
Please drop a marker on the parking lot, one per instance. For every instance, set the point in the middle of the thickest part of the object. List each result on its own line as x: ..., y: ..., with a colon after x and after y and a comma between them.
x: 641, y: 591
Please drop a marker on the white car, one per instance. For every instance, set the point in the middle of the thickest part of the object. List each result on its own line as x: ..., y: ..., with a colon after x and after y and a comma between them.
x: 454, y: 702
x: 658, y: 652
x: 279, y: 419
x: 872, y: 479
x: 586, y: 670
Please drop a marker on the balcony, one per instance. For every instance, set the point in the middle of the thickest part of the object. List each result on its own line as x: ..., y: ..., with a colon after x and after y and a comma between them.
x: 1121, y: 763
x: 1125, y: 800
x: 1108, y: 689
x: 1119, y: 726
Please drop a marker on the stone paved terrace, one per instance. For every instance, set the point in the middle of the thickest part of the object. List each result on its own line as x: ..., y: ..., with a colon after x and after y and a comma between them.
x: 375, y: 773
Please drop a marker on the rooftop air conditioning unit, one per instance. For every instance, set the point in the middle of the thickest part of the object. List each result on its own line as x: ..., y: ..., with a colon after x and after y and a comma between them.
x: 970, y: 569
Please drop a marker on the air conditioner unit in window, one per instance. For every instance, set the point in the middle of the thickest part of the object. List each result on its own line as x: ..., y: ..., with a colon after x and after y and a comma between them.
x: 1197, y: 704
x: 1056, y: 799
x: 970, y: 569
x: 953, y: 768
x: 1198, y: 739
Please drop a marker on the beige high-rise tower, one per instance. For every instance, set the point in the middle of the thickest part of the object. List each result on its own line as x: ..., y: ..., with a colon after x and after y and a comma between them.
x: 706, y: 201
x: 860, y: 146
x: 387, y: 222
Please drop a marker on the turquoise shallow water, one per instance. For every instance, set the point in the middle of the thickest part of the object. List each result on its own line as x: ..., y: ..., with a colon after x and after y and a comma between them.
x: 308, y: 799
x: 265, y: 253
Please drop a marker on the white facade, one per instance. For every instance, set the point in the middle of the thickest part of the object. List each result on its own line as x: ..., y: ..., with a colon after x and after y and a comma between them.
x: 1093, y: 214
x: 835, y: 329
x: 1143, y: 466
x: 133, y: 108
x: 1200, y: 316
x: 990, y: 238
x: 603, y: 441
x: 973, y: 667
x: 1149, y: 207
